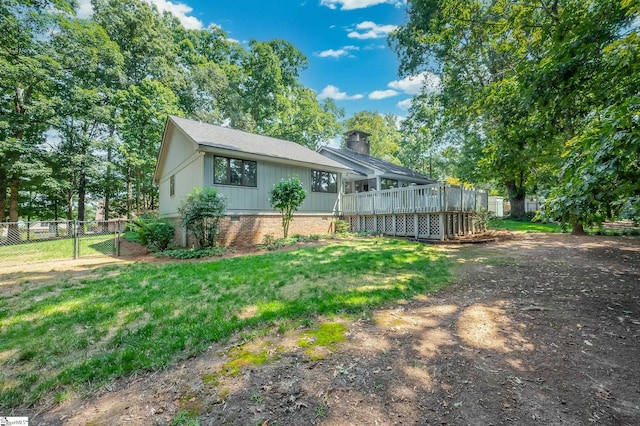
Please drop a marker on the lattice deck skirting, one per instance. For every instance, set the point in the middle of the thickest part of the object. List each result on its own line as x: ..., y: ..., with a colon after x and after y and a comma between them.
x: 433, y: 226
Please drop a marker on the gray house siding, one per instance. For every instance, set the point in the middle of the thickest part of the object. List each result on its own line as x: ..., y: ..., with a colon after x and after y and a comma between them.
x: 252, y: 200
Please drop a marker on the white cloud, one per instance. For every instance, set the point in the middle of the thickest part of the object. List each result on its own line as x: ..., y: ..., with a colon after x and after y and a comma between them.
x: 331, y: 53
x: 333, y: 92
x: 382, y: 94
x: 404, y: 105
x: 413, y: 85
x: 85, y: 9
x: 367, y: 29
x: 358, y: 4
x: 181, y: 11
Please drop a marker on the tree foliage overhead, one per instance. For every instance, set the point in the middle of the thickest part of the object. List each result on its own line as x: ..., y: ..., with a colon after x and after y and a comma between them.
x: 83, y: 101
x: 526, y: 86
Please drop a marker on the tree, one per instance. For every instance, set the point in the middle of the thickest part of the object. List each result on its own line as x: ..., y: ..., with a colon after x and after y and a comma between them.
x: 523, y: 76
x: 25, y: 83
x: 89, y: 71
x: 200, y: 213
x: 385, y: 137
x: 143, y: 111
x: 306, y: 121
x: 287, y: 196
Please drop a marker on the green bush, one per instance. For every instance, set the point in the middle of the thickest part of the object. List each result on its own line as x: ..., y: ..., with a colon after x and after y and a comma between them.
x: 154, y: 233
x: 201, y: 212
x: 342, y: 226
x: 481, y: 218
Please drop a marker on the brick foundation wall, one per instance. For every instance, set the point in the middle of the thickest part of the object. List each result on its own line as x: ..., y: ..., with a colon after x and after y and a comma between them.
x: 249, y: 230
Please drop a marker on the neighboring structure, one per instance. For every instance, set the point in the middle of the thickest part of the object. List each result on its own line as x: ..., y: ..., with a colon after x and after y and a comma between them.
x: 244, y: 167
x: 370, y: 173
x: 496, y: 206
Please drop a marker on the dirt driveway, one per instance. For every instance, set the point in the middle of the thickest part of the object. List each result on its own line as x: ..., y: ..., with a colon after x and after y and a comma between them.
x: 542, y: 329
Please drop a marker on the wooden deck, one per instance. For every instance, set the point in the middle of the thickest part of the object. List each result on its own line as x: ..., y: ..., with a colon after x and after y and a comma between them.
x: 422, y: 212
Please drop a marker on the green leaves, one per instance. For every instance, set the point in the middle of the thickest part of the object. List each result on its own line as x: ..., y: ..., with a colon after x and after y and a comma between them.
x: 534, y: 81
x: 200, y: 213
x: 287, y: 196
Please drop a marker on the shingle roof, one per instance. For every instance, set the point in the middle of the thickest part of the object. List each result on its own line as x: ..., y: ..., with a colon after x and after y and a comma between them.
x: 377, y: 164
x: 209, y: 135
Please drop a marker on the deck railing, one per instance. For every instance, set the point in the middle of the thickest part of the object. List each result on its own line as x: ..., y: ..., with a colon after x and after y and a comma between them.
x: 415, y: 199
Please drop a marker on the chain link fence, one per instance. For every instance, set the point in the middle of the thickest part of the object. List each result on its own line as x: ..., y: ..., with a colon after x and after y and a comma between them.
x: 41, y: 241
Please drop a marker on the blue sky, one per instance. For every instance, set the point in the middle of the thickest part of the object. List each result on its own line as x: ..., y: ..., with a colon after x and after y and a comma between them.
x: 345, y: 42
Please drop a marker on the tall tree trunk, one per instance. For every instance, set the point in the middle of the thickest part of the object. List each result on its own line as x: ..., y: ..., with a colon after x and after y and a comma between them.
x: 577, y: 229
x: 516, y: 198
x: 13, y: 231
x: 129, y: 191
x: 3, y: 193
x: 107, y: 191
x: 70, y: 213
x: 138, y: 192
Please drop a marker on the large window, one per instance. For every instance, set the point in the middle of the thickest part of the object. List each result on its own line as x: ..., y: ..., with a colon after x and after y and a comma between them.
x: 231, y: 171
x: 324, y: 181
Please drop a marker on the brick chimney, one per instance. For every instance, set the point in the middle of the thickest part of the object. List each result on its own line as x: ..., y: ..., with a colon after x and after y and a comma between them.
x: 358, y: 141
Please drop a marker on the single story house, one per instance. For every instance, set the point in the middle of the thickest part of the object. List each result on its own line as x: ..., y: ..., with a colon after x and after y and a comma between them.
x: 244, y: 167
x: 370, y: 173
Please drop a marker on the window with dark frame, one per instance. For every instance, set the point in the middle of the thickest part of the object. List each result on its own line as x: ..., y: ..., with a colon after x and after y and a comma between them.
x: 324, y: 181
x: 233, y: 171
x: 172, y: 185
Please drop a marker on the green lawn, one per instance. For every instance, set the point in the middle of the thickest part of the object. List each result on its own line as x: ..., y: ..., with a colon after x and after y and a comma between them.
x: 514, y: 225
x: 37, y: 251
x: 69, y: 336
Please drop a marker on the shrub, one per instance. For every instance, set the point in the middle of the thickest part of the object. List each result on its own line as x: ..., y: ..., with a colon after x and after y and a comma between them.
x: 481, y: 219
x: 154, y: 233
x: 201, y: 211
x: 341, y: 226
x: 287, y: 196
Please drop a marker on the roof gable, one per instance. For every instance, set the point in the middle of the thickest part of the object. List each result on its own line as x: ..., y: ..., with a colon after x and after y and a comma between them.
x: 377, y: 164
x: 212, y: 136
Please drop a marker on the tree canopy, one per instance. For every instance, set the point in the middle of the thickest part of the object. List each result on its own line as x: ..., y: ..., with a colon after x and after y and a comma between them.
x: 535, y: 91
x: 83, y: 101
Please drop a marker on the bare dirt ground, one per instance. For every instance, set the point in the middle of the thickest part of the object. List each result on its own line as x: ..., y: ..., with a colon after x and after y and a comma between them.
x: 539, y: 329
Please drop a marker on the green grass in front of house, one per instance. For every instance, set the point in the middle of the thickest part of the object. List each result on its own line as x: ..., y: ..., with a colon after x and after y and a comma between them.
x: 69, y: 337
x: 522, y: 226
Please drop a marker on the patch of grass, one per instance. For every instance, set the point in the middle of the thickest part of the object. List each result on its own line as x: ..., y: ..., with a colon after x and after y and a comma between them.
x: 45, y: 250
x: 521, y: 226
x: 243, y: 359
x: 78, y: 335
x: 184, y: 254
x: 320, y: 411
x: 185, y: 418
x: 624, y: 232
x: 323, y: 338
x: 257, y: 398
